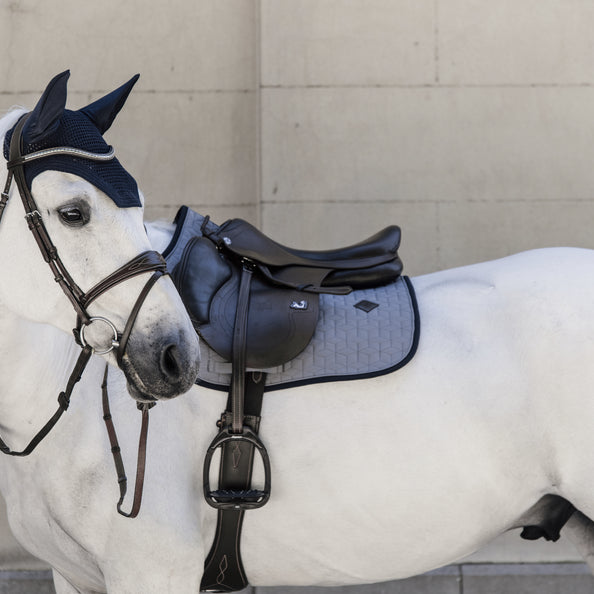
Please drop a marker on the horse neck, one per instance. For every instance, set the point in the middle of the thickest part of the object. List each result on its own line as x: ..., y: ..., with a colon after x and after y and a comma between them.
x: 35, y: 361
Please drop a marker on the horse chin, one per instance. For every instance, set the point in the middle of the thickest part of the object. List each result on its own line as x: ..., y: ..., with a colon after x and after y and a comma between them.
x: 152, y: 389
x: 138, y: 395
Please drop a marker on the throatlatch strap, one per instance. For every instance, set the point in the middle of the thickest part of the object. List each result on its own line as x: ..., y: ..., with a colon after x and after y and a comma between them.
x: 223, y: 568
x: 5, y: 194
x: 63, y: 401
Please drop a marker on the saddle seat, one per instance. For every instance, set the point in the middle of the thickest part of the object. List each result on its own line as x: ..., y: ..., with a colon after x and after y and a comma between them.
x: 371, y: 262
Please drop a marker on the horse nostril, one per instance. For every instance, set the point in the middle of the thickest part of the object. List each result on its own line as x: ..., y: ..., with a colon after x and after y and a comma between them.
x: 170, y: 365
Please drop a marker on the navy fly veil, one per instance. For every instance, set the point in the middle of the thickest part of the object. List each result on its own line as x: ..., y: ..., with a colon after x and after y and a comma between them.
x: 82, y: 129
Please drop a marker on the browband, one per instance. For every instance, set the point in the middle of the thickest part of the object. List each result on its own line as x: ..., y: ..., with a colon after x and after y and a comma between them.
x: 62, y: 150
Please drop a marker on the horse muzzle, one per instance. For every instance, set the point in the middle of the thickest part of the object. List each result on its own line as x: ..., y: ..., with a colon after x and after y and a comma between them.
x: 160, y: 366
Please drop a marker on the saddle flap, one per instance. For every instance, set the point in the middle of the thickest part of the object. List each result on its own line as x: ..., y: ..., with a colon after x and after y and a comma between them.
x: 280, y: 323
x: 200, y: 273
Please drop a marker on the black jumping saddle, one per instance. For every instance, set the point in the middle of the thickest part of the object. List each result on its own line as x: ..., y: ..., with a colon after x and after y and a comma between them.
x: 242, y: 288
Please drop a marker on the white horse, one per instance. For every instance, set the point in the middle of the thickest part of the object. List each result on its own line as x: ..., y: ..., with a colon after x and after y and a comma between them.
x: 373, y: 480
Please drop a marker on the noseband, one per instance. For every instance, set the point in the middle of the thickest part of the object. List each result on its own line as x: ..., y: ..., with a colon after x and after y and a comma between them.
x: 149, y: 261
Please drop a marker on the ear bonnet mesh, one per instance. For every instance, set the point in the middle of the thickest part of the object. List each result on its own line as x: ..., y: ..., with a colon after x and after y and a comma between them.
x: 76, y: 130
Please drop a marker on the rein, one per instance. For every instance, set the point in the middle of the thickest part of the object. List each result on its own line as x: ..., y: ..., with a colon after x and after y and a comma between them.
x: 117, y: 455
x: 149, y: 261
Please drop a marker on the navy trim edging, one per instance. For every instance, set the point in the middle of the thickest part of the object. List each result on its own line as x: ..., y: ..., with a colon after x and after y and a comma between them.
x: 180, y: 217
x: 342, y: 378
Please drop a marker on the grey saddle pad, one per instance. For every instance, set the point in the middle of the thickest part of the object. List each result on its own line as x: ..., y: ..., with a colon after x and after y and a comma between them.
x: 366, y: 333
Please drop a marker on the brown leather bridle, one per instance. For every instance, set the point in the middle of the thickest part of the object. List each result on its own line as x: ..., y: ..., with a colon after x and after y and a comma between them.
x: 149, y: 261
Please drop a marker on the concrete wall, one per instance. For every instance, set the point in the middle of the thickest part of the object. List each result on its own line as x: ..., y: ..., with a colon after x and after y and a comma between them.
x: 467, y: 122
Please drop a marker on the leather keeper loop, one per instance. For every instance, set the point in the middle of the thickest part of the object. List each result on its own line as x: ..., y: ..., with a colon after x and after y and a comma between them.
x: 63, y: 401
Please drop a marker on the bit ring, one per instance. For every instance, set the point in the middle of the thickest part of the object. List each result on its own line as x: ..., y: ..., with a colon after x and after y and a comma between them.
x: 114, y: 343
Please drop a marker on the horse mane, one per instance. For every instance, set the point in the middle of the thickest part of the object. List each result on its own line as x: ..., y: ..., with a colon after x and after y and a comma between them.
x: 159, y: 233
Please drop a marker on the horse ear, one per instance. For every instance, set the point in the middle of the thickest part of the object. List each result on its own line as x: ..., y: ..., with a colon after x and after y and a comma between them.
x: 49, y: 109
x: 104, y: 111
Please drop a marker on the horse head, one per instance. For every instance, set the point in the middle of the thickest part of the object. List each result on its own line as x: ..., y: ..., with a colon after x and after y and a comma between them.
x: 86, y: 214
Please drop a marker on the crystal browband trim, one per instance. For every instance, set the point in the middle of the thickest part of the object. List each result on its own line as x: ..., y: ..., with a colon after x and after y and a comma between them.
x: 73, y: 152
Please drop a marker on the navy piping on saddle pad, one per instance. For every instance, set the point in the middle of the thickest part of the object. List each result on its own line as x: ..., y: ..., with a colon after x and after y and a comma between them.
x: 189, y: 224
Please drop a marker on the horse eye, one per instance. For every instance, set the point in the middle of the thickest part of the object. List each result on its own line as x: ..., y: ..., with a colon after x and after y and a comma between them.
x: 73, y: 216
